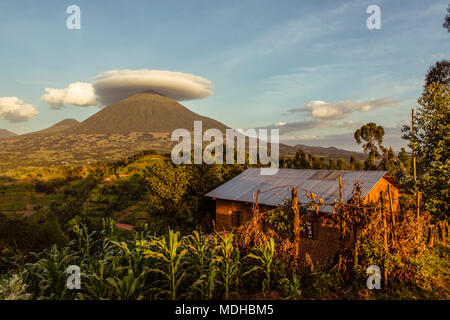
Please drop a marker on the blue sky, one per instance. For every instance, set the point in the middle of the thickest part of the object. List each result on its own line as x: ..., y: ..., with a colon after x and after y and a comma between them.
x: 264, y: 58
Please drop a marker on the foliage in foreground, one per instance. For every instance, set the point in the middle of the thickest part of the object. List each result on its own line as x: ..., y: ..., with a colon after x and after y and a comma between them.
x: 200, y: 266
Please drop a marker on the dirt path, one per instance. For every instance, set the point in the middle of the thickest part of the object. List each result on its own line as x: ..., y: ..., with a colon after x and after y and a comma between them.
x: 28, y: 211
x: 124, y: 226
x: 15, y: 182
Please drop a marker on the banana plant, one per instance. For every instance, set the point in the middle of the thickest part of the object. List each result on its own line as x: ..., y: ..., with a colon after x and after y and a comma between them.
x: 264, y: 256
x: 170, y: 256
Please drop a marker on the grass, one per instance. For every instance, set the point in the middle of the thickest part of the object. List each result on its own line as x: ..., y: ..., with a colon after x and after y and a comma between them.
x: 14, y: 196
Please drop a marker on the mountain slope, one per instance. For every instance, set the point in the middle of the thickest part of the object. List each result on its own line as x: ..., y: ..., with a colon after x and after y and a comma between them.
x: 327, y: 152
x: 141, y: 122
x: 6, y: 134
x: 58, y: 127
x: 143, y: 112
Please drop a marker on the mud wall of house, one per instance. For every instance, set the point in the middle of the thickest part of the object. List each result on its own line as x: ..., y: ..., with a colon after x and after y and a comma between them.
x: 374, y: 195
x: 224, y: 211
x: 325, y: 243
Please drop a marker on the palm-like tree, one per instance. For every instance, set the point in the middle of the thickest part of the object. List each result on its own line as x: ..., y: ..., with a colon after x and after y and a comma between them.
x: 373, y: 136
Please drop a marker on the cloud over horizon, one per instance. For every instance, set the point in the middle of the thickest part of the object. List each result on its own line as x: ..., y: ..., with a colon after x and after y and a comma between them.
x: 322, y: 110
x: 80, y: 94
x: 320, y: 114
x: 14, y: 109
x: 392, y: 138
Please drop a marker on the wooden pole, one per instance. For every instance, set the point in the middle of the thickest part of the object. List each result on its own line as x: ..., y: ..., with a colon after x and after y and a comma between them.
x: 296, y: 222
x: 256, y: 205
x: 340, y: 210
x: 385, y: 238
x: 413, y: 152
x: 414, y: 162
x: 341, y: 221
x: 391, y: 209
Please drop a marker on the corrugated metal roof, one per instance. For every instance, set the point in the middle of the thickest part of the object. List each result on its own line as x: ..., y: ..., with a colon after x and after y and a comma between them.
x: 276, y: 188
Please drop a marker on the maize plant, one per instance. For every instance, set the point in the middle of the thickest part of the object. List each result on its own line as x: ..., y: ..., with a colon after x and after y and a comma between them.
x: 205, y: 264
x: 95, y: 282
x: 143, y: 232
x: 228, y: 260
x: 264, y: 257
x: 170, y: 256
x: 108, y: 231
x: 127, y: 287
x: 48, y: 275
x: 83, y: 238
x: 210, y: 278
x: 199, y: 246
x: 291, y: 287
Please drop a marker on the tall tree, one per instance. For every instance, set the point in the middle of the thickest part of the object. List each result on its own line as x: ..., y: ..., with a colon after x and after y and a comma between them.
x: 440, y: 73
x: 331, y: 164
x: 353, y: 162
x: 431, y: 142
x: 388, y: 160
x: 447, y: 19
x: 404, y: 165
x: 373, y: 136
x: 341, y: 164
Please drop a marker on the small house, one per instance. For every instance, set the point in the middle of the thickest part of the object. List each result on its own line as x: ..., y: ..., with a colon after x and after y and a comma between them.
x: 234, y: 199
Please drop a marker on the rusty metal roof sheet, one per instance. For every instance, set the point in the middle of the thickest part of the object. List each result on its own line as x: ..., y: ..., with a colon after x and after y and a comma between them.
x: 276, y: 188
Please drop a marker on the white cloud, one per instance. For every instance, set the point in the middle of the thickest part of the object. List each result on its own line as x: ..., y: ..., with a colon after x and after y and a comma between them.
x: 78, y: 93
x: 14, y: 109
x: 392, y: 138
x: 115, y: 85
x: 297, y: 137
x: 322, y: 110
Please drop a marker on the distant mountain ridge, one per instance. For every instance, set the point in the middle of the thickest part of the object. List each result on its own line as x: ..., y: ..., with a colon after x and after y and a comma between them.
x: 141, y: 122
x: 327, y: 152
x: 4, y: 133
x: 58, y: 127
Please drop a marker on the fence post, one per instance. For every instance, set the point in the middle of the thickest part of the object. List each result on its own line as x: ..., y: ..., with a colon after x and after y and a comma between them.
x: 341, y: 213
x: 296, y: 222
x: 391, y: 209
x: 385, y: 238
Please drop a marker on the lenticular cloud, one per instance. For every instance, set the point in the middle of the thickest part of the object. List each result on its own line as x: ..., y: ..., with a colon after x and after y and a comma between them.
x: 115, y: 85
